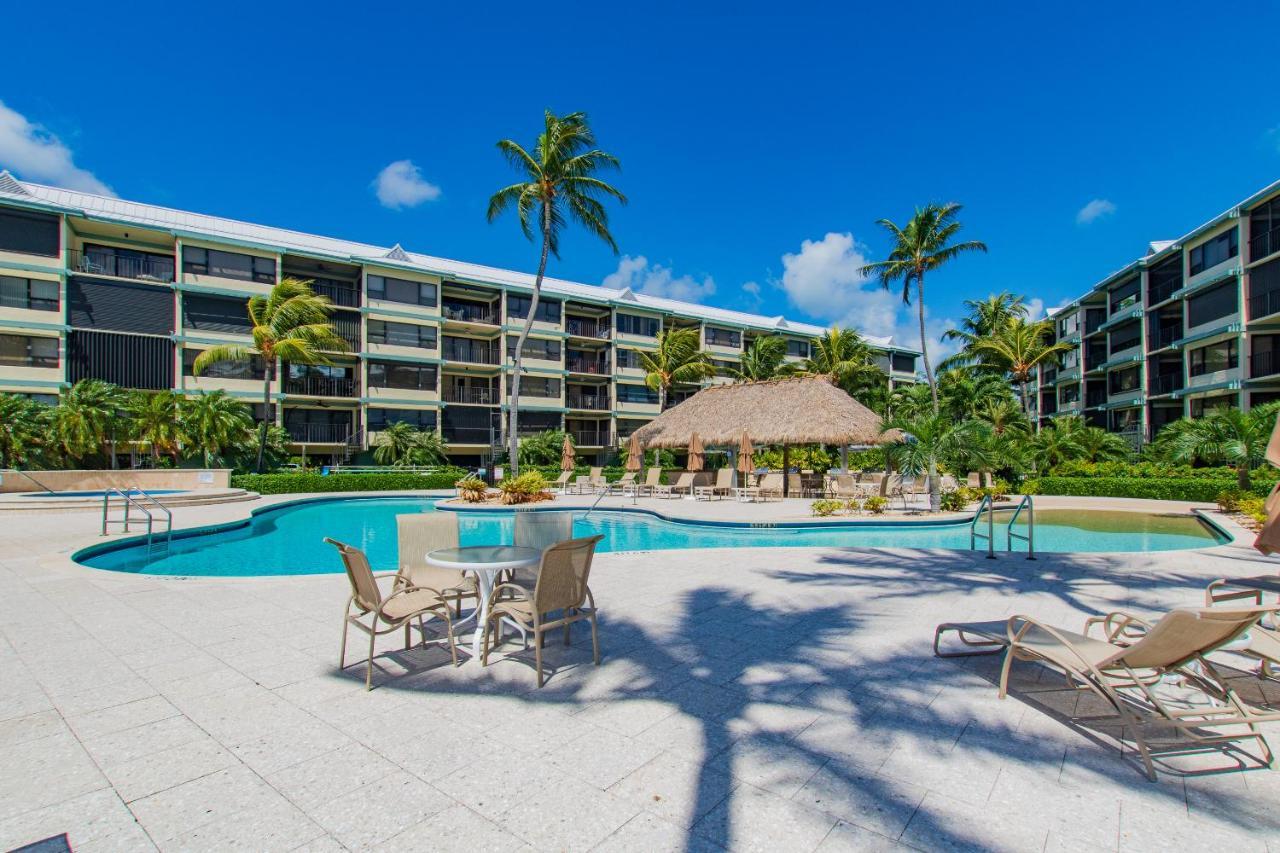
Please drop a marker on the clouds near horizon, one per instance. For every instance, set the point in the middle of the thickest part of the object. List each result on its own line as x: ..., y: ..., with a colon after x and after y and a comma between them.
x: 638, y: 274
x: 37, y: 154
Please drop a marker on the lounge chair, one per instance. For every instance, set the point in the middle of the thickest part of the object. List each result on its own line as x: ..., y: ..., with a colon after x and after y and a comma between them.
x: 869, y: 485
x: 562, y: 482
x: 652, y: 479
x: 722, y: 486
x: 843, y: 487
x: 561, y: 586
x: 1127, y: 668
x: 405, y: 604
x: 683, y: 483
x: 1262, y: 641
x: 620, y: 486
x: 417, y: 535
x: 771, y: 485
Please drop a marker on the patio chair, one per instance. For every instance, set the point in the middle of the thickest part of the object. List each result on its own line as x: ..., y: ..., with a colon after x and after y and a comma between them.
x: 844, y: 487
x: 722, y: 486
x: 683, y: 483
x: 561, y: 586
x: 620, y: 486
x: 869, y: 484
x: 1136, y: 658
x: 651, y: 481
x: 562, y: 483
x: 395, y: 611
x: 1262, y: 641
x: 540, y: 530
x: 581, y: 485
x: 418, y: 534
x: 771, y: 485
x: 596, y: 481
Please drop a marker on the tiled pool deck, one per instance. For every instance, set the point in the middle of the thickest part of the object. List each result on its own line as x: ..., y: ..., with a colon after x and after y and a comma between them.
x: 750, y: 699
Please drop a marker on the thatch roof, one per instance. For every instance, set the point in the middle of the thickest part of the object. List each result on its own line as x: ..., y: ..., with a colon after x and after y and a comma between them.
x: 800, y: 410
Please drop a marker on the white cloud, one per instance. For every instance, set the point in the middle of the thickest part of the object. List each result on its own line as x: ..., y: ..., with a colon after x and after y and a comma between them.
x: 1094, y: 211
x: 824, y: 280
x: 38, y: 155
x: 401, y: 185
x: 656, y: 280
x: 753, y: 296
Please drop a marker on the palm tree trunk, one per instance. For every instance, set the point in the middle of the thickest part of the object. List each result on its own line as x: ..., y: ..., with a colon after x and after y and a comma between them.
x: 1242, y: 477
x: 662, y: 398
x: 924, y: 343
x: 268, y: 375
x: 513, y: 416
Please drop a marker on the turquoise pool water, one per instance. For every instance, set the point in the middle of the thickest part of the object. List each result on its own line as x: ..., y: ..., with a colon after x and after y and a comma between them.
x: 288, y: 540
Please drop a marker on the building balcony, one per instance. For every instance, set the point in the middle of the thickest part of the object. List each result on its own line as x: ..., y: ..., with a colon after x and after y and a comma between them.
x: 1166, y: 384
x: 140, y: 266
x: 465, y: 312
x: 471, y: 352
x: 1266, y: 243
x: 1093, y: 399
x: 588, y: 402
x: 1201, y: 376
x: 582, y: 365
x: 343, y: 296
x: 1124, y: 395
x: 470, y: 396
x: 587, y: 329
x: 319, y: 433
x: 471, y: 435
x: 1158, y: 293
x: 1166, y: 337
x: 591, y: 437
x: 1264, y: 305
x: 1264, y: 364
x: 322, y: 386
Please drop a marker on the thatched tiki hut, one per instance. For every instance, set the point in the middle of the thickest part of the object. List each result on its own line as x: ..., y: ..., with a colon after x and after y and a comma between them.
x: 800, y: 410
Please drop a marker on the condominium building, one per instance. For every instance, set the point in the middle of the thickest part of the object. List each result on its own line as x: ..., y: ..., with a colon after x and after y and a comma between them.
x: 97, y: 287
x: 1191, y: 326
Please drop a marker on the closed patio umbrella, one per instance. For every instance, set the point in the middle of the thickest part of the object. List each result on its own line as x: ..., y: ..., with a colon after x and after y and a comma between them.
x: 696, y: 453
x: 635, y: 456
x: 567, y: 455
x: 746, y: 455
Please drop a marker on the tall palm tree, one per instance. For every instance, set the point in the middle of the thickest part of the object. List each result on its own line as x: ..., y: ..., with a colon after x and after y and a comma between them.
x: 154, y: 421
x: 922, y: 245
x: 401, y: 443
x: 558, y: 183
x: 25, y: 431
x: 930, y: 437
x: 88, y: 418
x: 677, y: 360
x: 984, y: 317
x: 213, y: 423
x: 1018, y: 348
x: 764, y: 359
x: 290, y: 323
x: 1229, y: 437
x: 844, y: 356
x: 962, y: 393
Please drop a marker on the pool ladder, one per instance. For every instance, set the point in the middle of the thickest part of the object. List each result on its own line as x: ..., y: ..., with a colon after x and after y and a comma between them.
x: 136, y: 498
x: 1030, y: 537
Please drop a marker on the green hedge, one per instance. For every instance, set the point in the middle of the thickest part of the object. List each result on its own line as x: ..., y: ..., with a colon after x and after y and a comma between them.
x: 1265, y: 473
x: 1154, y: 488
x: 288, y: 484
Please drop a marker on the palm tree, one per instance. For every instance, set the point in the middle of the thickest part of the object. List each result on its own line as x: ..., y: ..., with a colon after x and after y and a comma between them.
x: 764, y: 359
x: 924, y: 244
x: 844, y: 356
x: 213, y: 423
x: 1098, y: 445
x: 1228, y: 436
x: 677, y: 360
x: 930, y: 437
x: 1018, y: 348
x: 87, y: 418
x: 962, y: 393
x: 909, y: 401
x: 25, y: 428
x: 290, y: 323
x: 985, y: 316
x: 154, y: 421
x: 401, y: 443
x: 558, y: 183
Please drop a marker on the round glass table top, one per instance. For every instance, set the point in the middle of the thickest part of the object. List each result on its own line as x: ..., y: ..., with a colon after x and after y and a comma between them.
x: 484, y: 556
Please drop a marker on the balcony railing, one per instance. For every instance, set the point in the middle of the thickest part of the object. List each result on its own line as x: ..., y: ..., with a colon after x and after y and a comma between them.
x: 348, y: 330
x: 1166, y: 384
x: 474, y: 396
x: 475, y: 352
x: 135, y: 265
x: 1095, y: 398
x: 1266, y: 243
x: 465, y: 313
x: 1264, y: 304
x: 321, y: 386
x: 591, y: 437
x: 587, y: 328
x: 1202, y: 367
x: 594, y: 402
x: 471, y: 435
x: 319, y: 433
x: 1161, y: 338
x: 582, y: 365
x: 1162, y: 291
x: 347, y: 296
x: 1264, y: 364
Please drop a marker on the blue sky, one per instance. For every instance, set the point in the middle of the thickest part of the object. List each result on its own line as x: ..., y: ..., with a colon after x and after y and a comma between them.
x: 758, y: 148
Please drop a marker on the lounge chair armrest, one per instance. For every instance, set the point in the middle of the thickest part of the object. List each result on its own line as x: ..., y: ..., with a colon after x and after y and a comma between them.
x: 1118, y: 626
x: 1212, y: 596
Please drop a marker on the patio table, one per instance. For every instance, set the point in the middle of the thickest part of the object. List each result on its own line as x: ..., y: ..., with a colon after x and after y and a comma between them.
x: 485, y: 561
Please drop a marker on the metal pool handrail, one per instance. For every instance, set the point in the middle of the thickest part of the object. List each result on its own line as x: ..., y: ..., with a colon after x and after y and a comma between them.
x: 990, y: 535
x: 1030, y: 538
x: 33, y: 479
x: 168, y: 515
x: 129, y: 503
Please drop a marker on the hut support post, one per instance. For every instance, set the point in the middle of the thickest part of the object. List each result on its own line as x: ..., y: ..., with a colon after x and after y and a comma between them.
x: 844, y: 459
x: 733, y: 464
x: 786, y: 471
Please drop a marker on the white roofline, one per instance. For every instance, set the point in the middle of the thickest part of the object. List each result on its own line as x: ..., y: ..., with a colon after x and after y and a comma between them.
x: 215, y: 228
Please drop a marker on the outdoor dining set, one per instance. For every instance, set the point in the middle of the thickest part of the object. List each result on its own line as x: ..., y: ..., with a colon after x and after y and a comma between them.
x: 536, y: 584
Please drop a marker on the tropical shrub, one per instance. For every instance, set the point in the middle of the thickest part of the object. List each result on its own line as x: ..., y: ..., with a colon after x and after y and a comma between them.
x: 472, y: 489
x: 875, y: 505
x: 1228, y: 500
x: 528, y: 487
x: 1153, y: 488
x: 289, y: 484
x: 853, y: 505
x: 1253, y: 506
x: 826, y: 507
x: 954, y: 501
x: 542, y: 449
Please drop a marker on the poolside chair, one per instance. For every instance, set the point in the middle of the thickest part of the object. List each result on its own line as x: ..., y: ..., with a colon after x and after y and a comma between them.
x: 540, y: 530
x: 844, y: 487
x: 1262, y: 642
x: 418, y: 534
x: 869, y: 484
x: 596, y: 481
x: 405, y: 604
x: 561, y: 586
x: 1136, y: 659
x: 620, y: 486
x: 683, y: 483
x: 770, y: 486
x: 722, y: 486
x: 581, y: 485
x: 561, y: 483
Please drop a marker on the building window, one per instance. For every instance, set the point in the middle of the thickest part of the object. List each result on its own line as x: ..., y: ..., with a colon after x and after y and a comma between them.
x: 254, y: 368
x: 1068, y: 325
x: 1264, y: 230
x: 409, y: 377
x: 723, y: 337
x: 215, y: 314
x: 636, y: 394
x: 198, y: 261
x: 1124, y: 381
x: 402, y: 334
x: 30, y: 233
x: 1214, y: 304
x: 1211, y: 359
x: 1125, y: 295
x: 538, y: 348
x: 23, y: 351
x: 52, y: 399
x: 628, y: 358
x: 797, y: 348
x: 399, y: 290
x: 518, y: 308
x: 903, y: 363
x: 1069, y: 394
x: 1070, y: 359
x: 645, y: 327
x: 380, y: 419
x: 1209, y: 254
x: 724, y: 367
x: 1125, y: 336
x: 1202, y: 406
x: 539, y: 386
x: 32, y: 294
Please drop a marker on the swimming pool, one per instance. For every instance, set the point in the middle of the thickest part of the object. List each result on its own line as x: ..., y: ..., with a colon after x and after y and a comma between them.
x: 287, y: 539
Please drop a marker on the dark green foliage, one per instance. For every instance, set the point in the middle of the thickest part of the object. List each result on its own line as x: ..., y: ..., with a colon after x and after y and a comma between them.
x: 288, y: 484
x: 1153, y: 488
